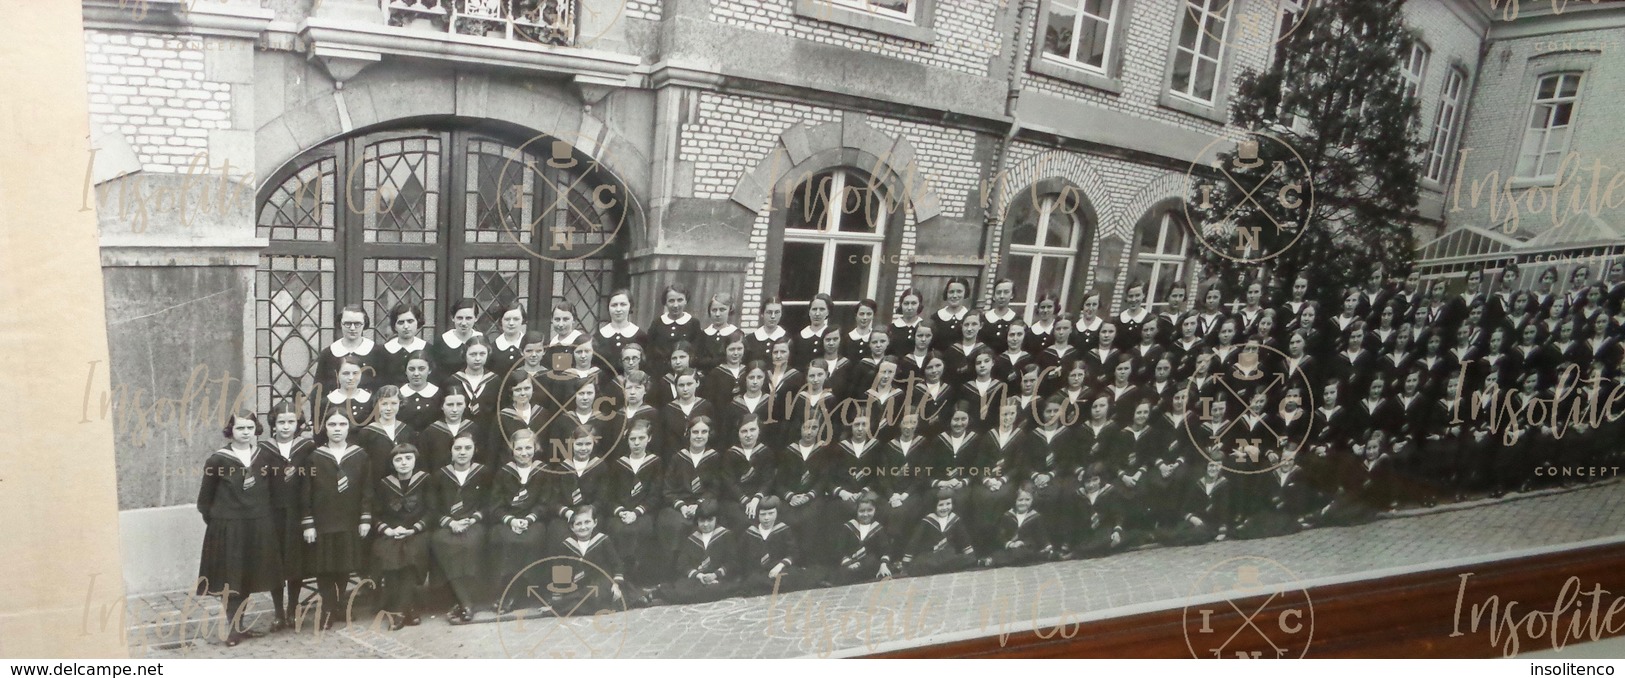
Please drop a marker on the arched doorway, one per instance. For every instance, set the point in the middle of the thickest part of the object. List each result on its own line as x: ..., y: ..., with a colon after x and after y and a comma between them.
x: 427, y: 215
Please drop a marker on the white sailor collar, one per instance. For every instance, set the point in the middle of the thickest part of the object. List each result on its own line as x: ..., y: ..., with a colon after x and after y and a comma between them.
x: 566, y: 340
x: 608, y: 331
x: 726, y: 329
x: 1140, y: 317
x: 679, y: 320
x: 338, y: 349
x: 855, y: 335
x: 898, y: 322
x: 395, y: 346
x: 450, y: 340
x: 813, y: 333
x: 761, y: 336
x: 1008, y: 315
x: 942, y: 313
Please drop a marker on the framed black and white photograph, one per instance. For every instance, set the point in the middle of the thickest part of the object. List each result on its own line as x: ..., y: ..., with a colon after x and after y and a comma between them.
x: 713, y: 329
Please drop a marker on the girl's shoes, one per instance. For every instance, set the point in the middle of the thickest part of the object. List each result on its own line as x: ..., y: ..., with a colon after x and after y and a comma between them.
x: 233, y: 639
x: 412, y: 619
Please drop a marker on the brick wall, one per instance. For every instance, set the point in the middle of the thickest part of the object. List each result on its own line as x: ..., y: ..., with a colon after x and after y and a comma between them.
x: 152, y: 88
x: 966, y: 39
x: 643, y: 9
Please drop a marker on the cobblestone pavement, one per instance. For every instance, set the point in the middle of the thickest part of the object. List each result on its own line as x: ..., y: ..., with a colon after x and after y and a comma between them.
x: 871, y: 617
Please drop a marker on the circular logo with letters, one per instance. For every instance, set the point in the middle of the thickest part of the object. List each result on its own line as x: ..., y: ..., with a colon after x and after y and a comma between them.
x: 1265, y: 612
x: 1254, y: 410
x: 1252, y: 202
x: 556, y: 199
x: 563, y: 607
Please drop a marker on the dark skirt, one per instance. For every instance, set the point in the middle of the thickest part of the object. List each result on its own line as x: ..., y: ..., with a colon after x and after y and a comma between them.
x: 459, y: 555
x: 389, y: 553
x: 239, y: 554
x: 291, y: 542
x: 335, y: 553
x: 510, y: 553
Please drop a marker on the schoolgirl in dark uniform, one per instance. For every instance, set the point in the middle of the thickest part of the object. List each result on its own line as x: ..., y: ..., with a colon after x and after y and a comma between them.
x: 837, y: 369
x: 747, y: 472
x: 905, y: 489
x: 941, y: 542
x: 982, y: 392
x: 724, y: 379
x: 1211, y: 315
x: 420, y: 398
x: 664, y: 389
x: 1207, y: 502
x: 400, y: 551
x: 446, y: 354
x: 676, y: 417
x: 711, y: 344
x: 292, y: 452
x: 996, y: 320
x: 407, y: 322
x: 809, y: 342
x: 581, y: 479
x: 863, y: 370
x: 532, y: 367
x: 1097, y: 526
x: 1172, y: 314
x: 707, y: 562
x: 754, y: 402
x: 459, y: 496
x: 508, y: 342
x: 802, y: 475
x: 1008, y: 366
x: 760, y: 341
x: 337, y: 513
x: 959, y: 354
x: 772, y: 556
x: 1252, y: 311
x: 855, y: 469
x: 781, y: 383
x: 635, y: 500
x: 240, y: 552
x: 903, y: 326
x: 1022, y: 534
x: 620, y: 331
x: 1051, y: 457
x: 1102, y: 359
x: 813, y: 401
x: 594, y: 589
x: 855, y: 343
x: 1133, y: 316
x: 863, y: 545
x: 521, y: 415
x: 434, y: 443
x: 483, y: 388
x: 1086, y: 329
x: 999, y: 470
x: 564, y: 336
x: 1052, y: 360
x: 522, y: 501
x: 386, y: 431
x: 953, y: 313
x: 933, y: 397
x: 1184, y: 349
x: 672, y: 326
x: 353, y: 344
x: 694, y: 472
x: 1041, y: 332
x: 349, y: 397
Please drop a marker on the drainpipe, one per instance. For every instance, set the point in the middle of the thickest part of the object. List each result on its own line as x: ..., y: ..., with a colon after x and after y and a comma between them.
x: 1025, y: 11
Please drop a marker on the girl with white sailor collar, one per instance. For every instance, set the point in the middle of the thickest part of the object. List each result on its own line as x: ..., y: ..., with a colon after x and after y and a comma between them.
x: 348, y: 396
x: 460, y: 505
x: 1052, y: 359
x: 673, y: 326
x: 904, y: 494
x: 1579, y: 280
x: 857, y: 472
x: 446, y: 354
x: 1212, y: 314
x: 434, y: 443
x: 620, y: 331
x: 407, y: 322
x: 996, y: 320
x: 982, y: 391
x: 959, y: 355
x: 353, y: 344
x: 240, y: 550
x: 1133, y: 316
x: 1041, y: 332
x: 676, y: 415
x: 883, y: 402
x: 582, y: 479
x: 905, y: 323
x: 1298, y: 296
x: 1253, y: 309
x: 523, y: 414
x: 1076, y: 389
x: 564, y: 334
x: 952, y: 313
x: 713, y: 340
x: 337, y: 506
x: 420, y: 398
x: 911, y: 364
x: 507, y: 344
x: 753, y: 402
x: 292, y: 452
x: 482, y: 386
x: 809, y: 342
x: 723, y: 379
x: 1009, y: 364
x: 855, y: 343
x: 1086, y: 330
x: 747, y: 471
x: 957, y: 449
x: 760, y: 341
x: 781, y: 381
x: 1173, y: 312
x: 998, y: 469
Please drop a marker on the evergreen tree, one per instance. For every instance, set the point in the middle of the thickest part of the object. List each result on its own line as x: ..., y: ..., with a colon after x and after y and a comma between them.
x: 1333, y: 102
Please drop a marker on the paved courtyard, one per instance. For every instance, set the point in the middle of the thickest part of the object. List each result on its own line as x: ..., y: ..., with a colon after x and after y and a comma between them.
x: 862, y: 619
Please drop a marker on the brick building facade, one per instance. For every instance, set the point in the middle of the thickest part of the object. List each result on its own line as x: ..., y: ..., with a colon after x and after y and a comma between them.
x: 1042, y: 140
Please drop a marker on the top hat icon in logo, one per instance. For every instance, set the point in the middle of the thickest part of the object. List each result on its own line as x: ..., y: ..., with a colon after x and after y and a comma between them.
x: 563, y: 155
x: 563, y: 580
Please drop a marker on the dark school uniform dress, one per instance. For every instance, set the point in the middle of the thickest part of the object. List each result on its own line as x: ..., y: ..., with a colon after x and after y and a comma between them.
x: 948, y: 327
x: 856, y: 469
x: 635, y: 487
x: 759, y: 343
x: 957, y: 364
x: 392, y: 362
x: 673, y: 419
x: 909, y: 468
x: 434, y: 443
x: 287, y: 493
x: 420, y: 407
x: 807, y: 344
x: 954, y: 458
x: 747, y: 476
x: 338, y: 500
x: 460, y: 555
x: 580, y: 483
x: 902, y: 336
x: 519, y: 494
x: 608, y: 343
x: 939, y: 545
x: 996, y: 327
x: 1131, y: 326
x: 714, y: 554
x: 760, y: 551
x: 597, y: 569
x: 505, y: 353
x: 1086, y: 333
x: 1209, y: 501
x: 804, y: 470
x: 1022, y: 538
x: 934, y: 405
x: 484, y: 393
x: 664, y: 333
x: 1038, y: 338
x: 1000, y: 460
x: 1097, y: 517
x: 737, y: 409
x: 710, y: 345
x: 356, y: 406
x: 240, y: 548
x: 367, y: 353
x: 511, y: 421
x: 446, y: 357
x: 861, y: 549
x: 401, y: 504
x: 722, y: 383
x: 379, y: 442
x: 687, y: 480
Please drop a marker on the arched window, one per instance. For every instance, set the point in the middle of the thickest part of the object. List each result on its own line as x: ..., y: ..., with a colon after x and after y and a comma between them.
x: 426, y: 217
x: 1051, y: 227
x: 835, y: 240
x: 1161, y: 254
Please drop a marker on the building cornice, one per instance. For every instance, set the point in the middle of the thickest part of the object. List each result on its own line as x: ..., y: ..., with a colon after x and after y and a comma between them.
x: 176, y: 16
x: 1538, y: 19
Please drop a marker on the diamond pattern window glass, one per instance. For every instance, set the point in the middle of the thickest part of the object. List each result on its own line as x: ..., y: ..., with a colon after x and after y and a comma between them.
x: 387, y: 282
x: 400, y: 193
x: 586, y: 283
x: 494, y: 283
x: 293, y: 320
x: 302, y: 207
x: 501, y: 194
